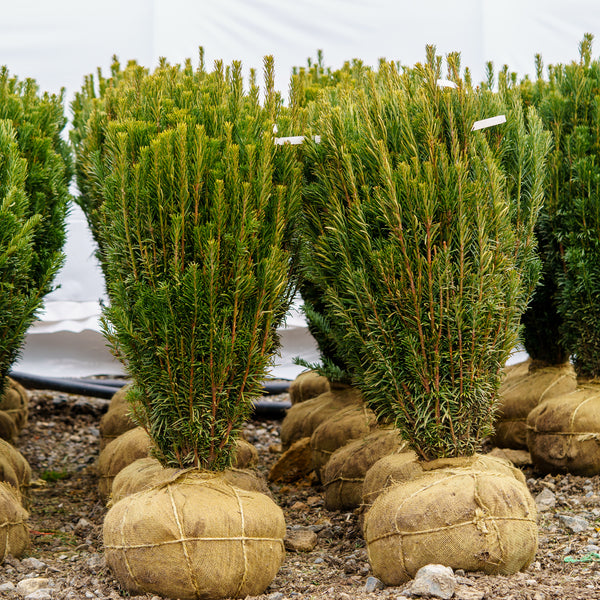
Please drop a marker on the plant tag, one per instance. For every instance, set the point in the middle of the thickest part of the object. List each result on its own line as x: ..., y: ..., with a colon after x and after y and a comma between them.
x: 446, y: 83
x: 294, y: 140
x: 488, y: 122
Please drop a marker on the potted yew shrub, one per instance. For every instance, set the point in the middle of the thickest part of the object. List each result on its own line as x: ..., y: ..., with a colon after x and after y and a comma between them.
x: 427, y: 258
x: 194, y: 205
x: 563, y: 431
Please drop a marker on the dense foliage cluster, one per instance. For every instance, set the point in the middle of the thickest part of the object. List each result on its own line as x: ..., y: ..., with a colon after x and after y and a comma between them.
x: 423, y: 244
x: 35, y: 171
x: 193, y: 208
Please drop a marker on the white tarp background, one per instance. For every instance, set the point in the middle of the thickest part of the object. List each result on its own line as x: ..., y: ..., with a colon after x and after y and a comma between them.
x: 59, y: 42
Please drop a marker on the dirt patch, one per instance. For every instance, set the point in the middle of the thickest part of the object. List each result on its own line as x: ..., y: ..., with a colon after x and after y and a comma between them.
x: 62, y: 443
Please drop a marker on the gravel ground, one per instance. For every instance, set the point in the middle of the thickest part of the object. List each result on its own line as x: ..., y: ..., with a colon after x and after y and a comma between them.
x: 61, y: 443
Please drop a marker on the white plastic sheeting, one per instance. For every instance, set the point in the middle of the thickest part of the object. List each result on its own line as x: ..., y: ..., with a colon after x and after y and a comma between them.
x: 59, y: 42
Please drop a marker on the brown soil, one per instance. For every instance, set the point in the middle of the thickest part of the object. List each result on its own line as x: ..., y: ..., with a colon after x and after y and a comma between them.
x: 61, y: 443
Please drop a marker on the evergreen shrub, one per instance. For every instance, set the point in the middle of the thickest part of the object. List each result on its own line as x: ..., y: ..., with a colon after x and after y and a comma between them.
x: 424, y: 244
x: 193, y: 206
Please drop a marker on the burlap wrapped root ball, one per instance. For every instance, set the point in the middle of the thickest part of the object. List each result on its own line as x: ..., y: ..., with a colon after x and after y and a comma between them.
x: 344, y: 473
x: 195, y: 537
x: 336, y: 431
x: 15, y: 403
x: 135, y: 444
x: 521, y: 392
x: 146, y: 473
x: 116, y: 421
x: 307, y: 385
x: 302, y: 419
x: 563, y: 433
x: 122, y: 451
x: 15, y: 470
x: 464, y: 519
x: 14, y: 532
x: 405, y: 465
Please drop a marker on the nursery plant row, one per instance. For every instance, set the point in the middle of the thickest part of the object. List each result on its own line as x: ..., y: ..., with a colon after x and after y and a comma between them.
x: 430, y: 223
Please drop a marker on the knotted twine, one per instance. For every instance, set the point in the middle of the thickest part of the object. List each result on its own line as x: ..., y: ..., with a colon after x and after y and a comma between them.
x: 195, y: 536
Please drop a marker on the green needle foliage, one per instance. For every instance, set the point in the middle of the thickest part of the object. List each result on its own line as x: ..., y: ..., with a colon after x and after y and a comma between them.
x: 309, y: 87
x: 569, y: 104
x: 19, y: 299
x: 38, y: 120
x: 194, y: 210
x: 426, y: 253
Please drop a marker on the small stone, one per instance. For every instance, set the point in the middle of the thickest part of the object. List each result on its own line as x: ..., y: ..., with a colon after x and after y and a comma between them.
x: 83, y: 525
x: 33, y: 563
x: 300, y: 540
x: 545, y: 500
x: 275, y: 596
x: 96, y: 562
x: 592, y: 548
x: 7, y: 586
x: 319, y: 561
x: 463, y: 592
x: 299, y: 506
x: 33, y: 584
x: 574, y: 524
x: 372, y: 584
x: 43, y: 594
x: 434, y: 580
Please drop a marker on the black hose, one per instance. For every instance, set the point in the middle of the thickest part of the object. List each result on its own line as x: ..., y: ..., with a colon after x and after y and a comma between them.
x: 101, y: 388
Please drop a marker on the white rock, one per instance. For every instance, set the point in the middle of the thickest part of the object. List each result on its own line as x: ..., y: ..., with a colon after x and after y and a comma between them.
x: 545, y: 500
x: 8, y: 586
x: 43, y: 594
x: 33, y: 584
x: 574, y: 523
x: 434, y: 580
x: 33, y: 563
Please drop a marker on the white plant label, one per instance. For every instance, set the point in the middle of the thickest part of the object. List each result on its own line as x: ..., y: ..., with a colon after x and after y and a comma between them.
x: 488, y: 122
x: 294, y: 140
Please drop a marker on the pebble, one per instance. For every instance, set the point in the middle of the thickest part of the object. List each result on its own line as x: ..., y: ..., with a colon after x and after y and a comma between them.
x: 545, y: 500
x: 275, y: 596
x: 8, y: 586
x: 33, y: 584
x: 300, y: 540
x: 592, y: 548
x: 42, y: 594
x: 96, y: 562
x: 434, y: 580
x: 319, y: 560
x: 574, y: 523
x: 463, y: 592
x: 33, y: 563
x: 372, y: 584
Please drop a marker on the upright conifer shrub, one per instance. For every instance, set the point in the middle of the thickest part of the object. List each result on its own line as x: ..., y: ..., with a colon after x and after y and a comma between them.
x: 562, y: 431
x: 192, y: 206
x: 36, y: 166
x: 426, y: 250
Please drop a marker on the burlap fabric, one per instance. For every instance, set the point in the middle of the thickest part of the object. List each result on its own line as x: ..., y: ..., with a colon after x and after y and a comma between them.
x: 563, y: 433
x: 302, y: 419
x: 405, y: 466
x: 14, y: 532
x: 15, y: 403
x: 195, y: 537
x: 122, y: 451
x: 307, y: 385
x: 462, y: 518
x: 136, y: 443
x: 15, y: 470
x: 336, y: 431
x: 114, y: 423
x: 8, y: 429
x: 344, y: 473
x: 145, y: 473
x: 521, y: 393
